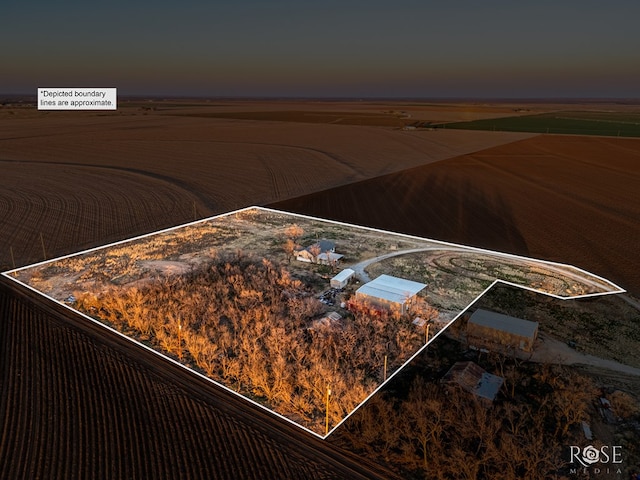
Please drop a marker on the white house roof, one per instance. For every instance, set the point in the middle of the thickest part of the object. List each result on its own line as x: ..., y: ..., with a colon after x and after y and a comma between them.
x: 505, y: 323
x: 392, y: 289
x: 330, y: 257
x: 343, y: 275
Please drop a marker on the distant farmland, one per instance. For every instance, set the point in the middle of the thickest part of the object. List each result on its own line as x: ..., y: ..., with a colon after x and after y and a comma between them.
x: 562, y: 198
x: 70, y: 182
x: 390, y: 119
x: 82, y: 404
x: 568, y: 123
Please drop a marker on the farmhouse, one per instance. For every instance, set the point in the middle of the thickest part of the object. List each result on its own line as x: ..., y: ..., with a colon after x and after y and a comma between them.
x: 487, y: 329
x: 474, y: 379
x: 341, y: 279
x: 322, y: 252
x: 390, y: 292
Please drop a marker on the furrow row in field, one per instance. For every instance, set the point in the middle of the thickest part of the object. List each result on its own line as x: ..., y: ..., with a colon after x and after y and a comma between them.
x: 80, y: 402
x: 569, y: 200
x: 60, y: 212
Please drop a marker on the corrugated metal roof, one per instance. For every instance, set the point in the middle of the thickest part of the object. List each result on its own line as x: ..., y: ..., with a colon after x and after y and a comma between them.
x: 475, y: 379
x: 392, y: 289
x: 489, y: 386
x: 505, y: 323
x: 335, y: 316
x: 343, y: 275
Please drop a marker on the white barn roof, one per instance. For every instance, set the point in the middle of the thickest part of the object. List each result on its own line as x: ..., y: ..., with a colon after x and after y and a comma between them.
x: 391, y: 289
x: 505, y: 323
x: 343, y: 275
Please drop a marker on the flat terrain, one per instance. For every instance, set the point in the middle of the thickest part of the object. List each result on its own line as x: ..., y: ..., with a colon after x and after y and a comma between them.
x: 137, y: 287
x: 605, y: 123
x: 80, y: 180
x: 78, y: 402
x: 605, y: 327
x: 75, y: 180
x: 559, y: 198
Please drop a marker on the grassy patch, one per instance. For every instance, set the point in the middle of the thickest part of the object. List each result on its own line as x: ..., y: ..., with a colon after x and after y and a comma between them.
x: 340, y: 118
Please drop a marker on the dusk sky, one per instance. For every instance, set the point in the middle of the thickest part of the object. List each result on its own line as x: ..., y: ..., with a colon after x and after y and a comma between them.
x: 330, y: 48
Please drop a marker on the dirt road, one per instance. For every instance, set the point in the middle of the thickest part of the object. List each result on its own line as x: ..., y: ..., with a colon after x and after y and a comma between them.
x: 597, y: 285
x: 550, y: 350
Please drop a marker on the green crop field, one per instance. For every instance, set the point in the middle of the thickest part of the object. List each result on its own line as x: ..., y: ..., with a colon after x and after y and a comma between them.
x: 575, y: 123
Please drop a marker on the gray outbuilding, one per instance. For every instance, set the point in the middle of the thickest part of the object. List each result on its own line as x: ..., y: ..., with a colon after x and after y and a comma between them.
x: 474, y: 379
x: 491, y: 330
x: 342, y: 279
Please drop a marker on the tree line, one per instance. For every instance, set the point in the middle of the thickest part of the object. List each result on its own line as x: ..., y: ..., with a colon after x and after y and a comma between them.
x: 252, y: 326
x: 439, y: 431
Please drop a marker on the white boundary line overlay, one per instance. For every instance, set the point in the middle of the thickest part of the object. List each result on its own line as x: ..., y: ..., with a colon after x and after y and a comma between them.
x: 616, y: 289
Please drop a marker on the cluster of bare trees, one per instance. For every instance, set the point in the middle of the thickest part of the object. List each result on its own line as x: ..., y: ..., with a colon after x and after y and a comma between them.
x: 440, y: 431
x: 250, y: 325
x: 292, y: 235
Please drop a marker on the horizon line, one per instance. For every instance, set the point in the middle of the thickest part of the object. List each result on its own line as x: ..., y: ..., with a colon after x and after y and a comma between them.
x: 347, y: 98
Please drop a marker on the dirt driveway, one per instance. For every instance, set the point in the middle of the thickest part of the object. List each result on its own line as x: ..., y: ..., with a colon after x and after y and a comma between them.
x: 550, y: 350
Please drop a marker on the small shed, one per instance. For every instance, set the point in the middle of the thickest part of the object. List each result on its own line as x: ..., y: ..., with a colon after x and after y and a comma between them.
x: 486, y: 329
x: 332, y: 320
x: 341, y: 279
x: 419, y: 322
x: 472, y: 378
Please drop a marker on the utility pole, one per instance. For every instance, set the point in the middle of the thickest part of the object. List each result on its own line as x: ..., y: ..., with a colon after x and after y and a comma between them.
x: 385, y: 368
x: 326, y: 428
x: 179, y: 339
x: 13, y: 261
x: 44, y: 253
x: 426, y: 333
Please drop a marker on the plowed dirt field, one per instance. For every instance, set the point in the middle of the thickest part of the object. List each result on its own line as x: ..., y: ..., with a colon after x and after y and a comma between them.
x: 75, y: 403
x: 71, y: 182
x: 78, y: 402
x: 566, y: 199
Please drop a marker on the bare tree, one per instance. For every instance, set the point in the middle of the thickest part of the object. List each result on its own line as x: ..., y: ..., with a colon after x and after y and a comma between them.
x: 425, y: 415
x: 294, y: 232
x: 314, y: 250
x: 290, y: 248
x: 571, y: 399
